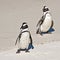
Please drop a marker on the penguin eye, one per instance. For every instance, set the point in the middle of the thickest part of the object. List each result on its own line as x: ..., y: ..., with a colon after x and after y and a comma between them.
x: 44, y: 10
x: 47, y: 9
x: 24, y: 27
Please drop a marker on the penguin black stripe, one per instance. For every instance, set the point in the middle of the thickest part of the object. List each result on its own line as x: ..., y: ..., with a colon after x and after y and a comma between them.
x: 29, y: 37
x: 24, y: 27
x: 19, y: 36
x: 42, y: 19
x: 25, y: 31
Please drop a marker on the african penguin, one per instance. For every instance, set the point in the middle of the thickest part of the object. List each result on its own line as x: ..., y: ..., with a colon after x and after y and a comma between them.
x: 24, y: 38
x: 46, y: 22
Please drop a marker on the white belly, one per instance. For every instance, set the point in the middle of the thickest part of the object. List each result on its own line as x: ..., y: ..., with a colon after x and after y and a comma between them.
x: 24, y: 41
x: 46, y: 24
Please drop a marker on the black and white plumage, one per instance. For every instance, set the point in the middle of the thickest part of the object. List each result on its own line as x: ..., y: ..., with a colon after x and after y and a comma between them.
x: 24, y: 38
x: 46, y: 22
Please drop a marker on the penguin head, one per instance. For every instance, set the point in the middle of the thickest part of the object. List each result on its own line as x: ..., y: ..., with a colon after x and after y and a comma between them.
x: 24, y: 25
x: 45, y: 9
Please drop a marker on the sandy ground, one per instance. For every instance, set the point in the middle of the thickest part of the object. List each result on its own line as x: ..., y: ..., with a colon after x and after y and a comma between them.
x: 49, y: 51
x: 13, y: 13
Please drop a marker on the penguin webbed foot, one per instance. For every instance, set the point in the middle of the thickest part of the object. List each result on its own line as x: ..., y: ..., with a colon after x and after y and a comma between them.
x: 27, y: 50
x: 37, y: 32
x: 41, y: 34
x: 18, y: 51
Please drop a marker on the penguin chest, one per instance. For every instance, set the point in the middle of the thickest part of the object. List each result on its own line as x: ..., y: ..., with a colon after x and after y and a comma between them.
x: 24, y: 41
x: 46, y: 24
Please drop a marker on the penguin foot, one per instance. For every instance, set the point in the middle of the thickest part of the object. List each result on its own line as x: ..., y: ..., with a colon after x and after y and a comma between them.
x: 41, y: 34
x: 18, y: 51
x: 27, y: 50
x: 37, y: 32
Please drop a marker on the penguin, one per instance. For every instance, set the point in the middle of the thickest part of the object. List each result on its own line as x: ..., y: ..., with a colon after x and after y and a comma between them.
x: 45, y: 23
x: 24, y: 39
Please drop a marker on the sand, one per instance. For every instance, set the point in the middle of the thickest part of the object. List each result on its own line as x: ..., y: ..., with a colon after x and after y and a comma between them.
x: 13, y: 13
x: 49, y: 51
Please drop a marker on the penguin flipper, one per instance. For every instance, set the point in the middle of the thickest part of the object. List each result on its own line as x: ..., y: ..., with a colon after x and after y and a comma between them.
x: 41, y: 20
x: 18, y: 38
